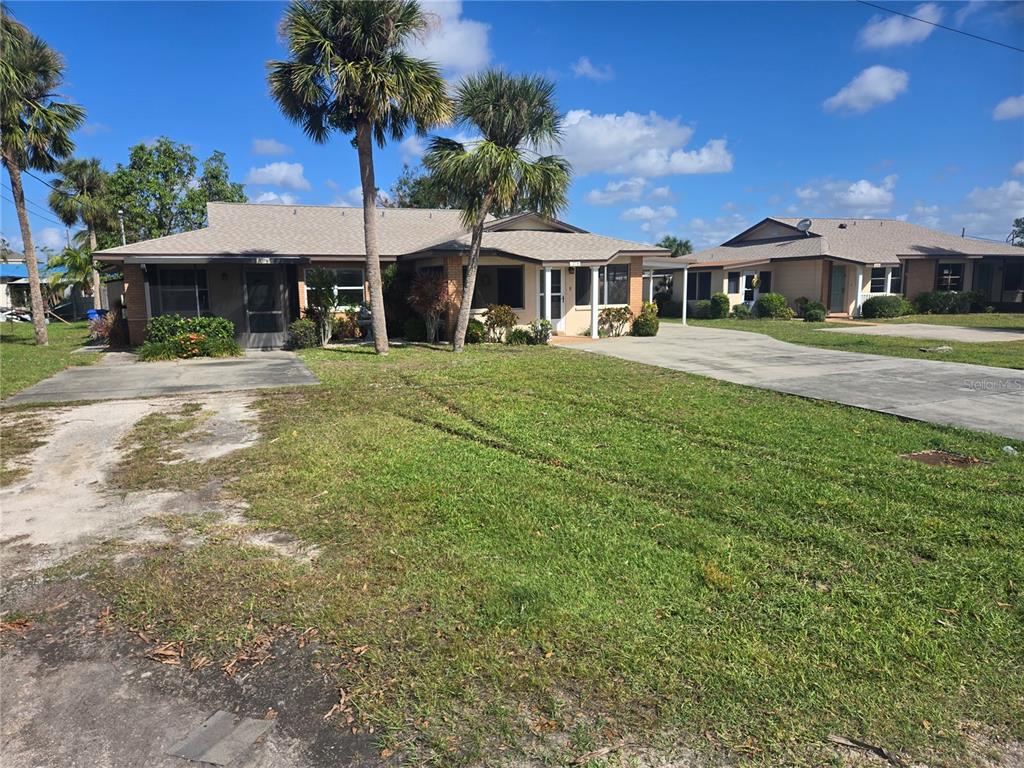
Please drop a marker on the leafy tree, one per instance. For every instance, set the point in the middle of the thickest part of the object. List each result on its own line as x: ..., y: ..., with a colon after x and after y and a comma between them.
x: 80, y: 195
x: 415, y: 189
x: 160, y: 193
x: 35, y: 129
x: 72, y: 268
x: 1017, y: 233
x: 501, y: 171
x: 349, y: 72
x: 429, y: 296
x: 677, y: 246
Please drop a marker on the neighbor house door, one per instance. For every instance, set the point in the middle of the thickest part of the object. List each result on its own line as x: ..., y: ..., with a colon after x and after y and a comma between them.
x: 837, y: 289
x: 557, y: 297
x: 265, y: 303
x: 748, y: 289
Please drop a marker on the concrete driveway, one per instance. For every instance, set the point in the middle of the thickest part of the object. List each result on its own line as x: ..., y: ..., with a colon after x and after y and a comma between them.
x: 119, y: 377
x: 972, y: 396
x: 965, y: 335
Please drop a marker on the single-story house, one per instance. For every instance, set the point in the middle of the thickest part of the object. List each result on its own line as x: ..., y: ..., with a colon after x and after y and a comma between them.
x: 249, y: 264
x: 843, y: 262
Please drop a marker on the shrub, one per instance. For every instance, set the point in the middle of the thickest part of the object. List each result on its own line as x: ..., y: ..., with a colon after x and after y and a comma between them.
x: 110, y: 328
x: 949, y: 302
x: 614, y: 320
x: 321, y: 301
x: 886, y: 306
x: 475, y: 332
x: 741, y: 312
x: 646, y: 323
x: 814, y: 315
x: 186, y: 345
x: 346, y: 326
x: 662, y: 297
x: 801, y: 302
x: 719, y: 306
x: 156, y: 350
x: 540, y: 331
x: 165, y: 327
x: 670, y: 309
x: 772, y: 305
x: 518, y: 337
x: 429, y: 296
x: 700, y: 310
x: 414, y: 329
x: 221, y: 348
x: 303, y: 334
x: 499, y: 320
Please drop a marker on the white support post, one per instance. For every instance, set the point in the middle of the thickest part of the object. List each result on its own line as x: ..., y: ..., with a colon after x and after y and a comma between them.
x: 859, y: 297
x: 650, y: 287
x: 594, y: 284
x: 686, y: 279
x: 888, y: 280
x: 547, y: 294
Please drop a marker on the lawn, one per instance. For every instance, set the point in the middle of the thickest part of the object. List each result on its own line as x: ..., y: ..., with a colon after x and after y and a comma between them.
x: 22, y: 363
x: 1001, y: 354
x: 534, y: 552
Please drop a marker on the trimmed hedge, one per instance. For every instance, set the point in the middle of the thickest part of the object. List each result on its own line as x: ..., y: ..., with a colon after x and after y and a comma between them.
x: 189, y: 345
x: 772, y: 305
x: 646, y: 323
x: 303, y: 334
x: 814, y: 312
x: 719, y: 306
x: 949, y: 302
x: 886, y: 306
x: 741, y: 312
x: 701, y: 310
x: 166, y: 327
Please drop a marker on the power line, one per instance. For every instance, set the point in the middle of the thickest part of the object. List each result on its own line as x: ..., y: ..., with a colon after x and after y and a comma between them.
x: 43, y: 210
x: 34, y: 213
x: 41, y: 180
x: 942, y: 26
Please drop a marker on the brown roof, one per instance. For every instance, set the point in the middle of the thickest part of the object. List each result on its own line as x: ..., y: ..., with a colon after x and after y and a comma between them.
x: 553, y: 246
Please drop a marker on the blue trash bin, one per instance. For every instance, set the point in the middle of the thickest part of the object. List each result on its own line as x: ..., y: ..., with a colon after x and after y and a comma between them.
x: 91, y: 314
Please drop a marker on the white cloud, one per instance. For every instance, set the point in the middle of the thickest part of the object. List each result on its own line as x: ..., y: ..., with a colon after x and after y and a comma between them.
x: 1009, y: 108
x: 280, y: 174
x: 889, y: 30
x: 989, y: 211
x: 583, y: 67
x: 274, y: 198
x: 705, y: 232
x: 270, y: 147
x: 972, y: 7
x: 617, y: 191
x: 652, y: 219
x: 50, y: 238
x: 874, y: 86
x: 1018, y: 169
x: 925, y: 215
x: 661, y: 193
x: 412, y: 149
x: 851, y: 198
x: 455, y: 44
x: 352, y: 198
x: 332, y: 184
x: 94, y: 129
x: 636, y: 144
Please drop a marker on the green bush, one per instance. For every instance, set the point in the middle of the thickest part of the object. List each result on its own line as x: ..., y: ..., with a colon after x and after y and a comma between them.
x: 700, y: 310
x: 475, y: 332
x: 189, y: 345
x: 646, y: 323
x: 186, y: 345
x: 221, y: 348
x: 671, y: 309
x: 613, y: 320
x: 166, y: 327
x: 949, y: 302
x: 801, y: 302
x: 518, y: 336
x: 156, y: 350
x: 540, y: 332
x: 772, y: 305
x: 414, y: 329
x: 499, y: 319
x: 303, y: 334
x: 814, y: 312
x: 741, y: 312
x: 719, y: 306
x: 886, y: 306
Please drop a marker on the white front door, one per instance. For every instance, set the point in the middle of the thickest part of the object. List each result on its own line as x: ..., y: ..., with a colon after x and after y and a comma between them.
x: 747, y: 289
x: 557, y: 298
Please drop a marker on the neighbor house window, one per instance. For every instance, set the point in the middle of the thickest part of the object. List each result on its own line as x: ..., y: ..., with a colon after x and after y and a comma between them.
x: 734, y: 282
x: 878, y: 279
x: 348, y: 285
x: 497, y: 285
x: 178, y: 291
x: 612, y: 288
x: 765, y: 282
x: 950, y: 277
x: 699, y: 287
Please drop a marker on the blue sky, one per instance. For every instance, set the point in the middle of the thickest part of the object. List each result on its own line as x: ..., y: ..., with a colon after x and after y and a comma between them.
x: 693, y: 119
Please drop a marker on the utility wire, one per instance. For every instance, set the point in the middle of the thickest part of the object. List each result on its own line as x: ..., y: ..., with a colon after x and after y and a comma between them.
x: 34, y: 213
x: 41, y: 180
x: 44, y: 211
x: 942, y: 26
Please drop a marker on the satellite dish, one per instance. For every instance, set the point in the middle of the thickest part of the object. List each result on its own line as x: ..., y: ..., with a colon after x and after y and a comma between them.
x: 803, y: 225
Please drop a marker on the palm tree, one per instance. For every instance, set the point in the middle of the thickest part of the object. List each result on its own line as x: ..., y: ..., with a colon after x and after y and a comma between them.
x: 500, y: 172
x: 35, y: 129
x: 71, y: 268
x: 677, y: 246
x: 79, y: 195
x: 349, y: 72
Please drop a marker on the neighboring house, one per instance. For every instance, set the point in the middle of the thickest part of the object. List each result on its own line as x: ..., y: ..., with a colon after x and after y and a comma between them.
x: 249, y: 266
x: 844, y: 262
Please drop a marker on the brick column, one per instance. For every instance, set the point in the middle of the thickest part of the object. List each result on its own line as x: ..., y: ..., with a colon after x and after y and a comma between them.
x: 135, y: 303
x: 636, y: 284
x: 453, y: 276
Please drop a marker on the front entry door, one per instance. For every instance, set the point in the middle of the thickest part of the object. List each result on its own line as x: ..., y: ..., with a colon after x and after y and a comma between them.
x: 264, y: 308
x: 556, y: 298
x: 749, y: 291
x: 837, y: 289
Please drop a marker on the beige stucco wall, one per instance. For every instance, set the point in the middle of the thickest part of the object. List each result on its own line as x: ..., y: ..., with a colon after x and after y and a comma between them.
x: 797, y: 278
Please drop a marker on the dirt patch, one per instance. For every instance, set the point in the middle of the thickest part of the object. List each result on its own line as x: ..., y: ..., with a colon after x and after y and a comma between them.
x: 943, y: 459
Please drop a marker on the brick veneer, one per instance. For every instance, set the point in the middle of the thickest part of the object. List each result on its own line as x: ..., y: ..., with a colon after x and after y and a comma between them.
x: 636, y: 284
x: 453, y: 276
x: 135, y: 303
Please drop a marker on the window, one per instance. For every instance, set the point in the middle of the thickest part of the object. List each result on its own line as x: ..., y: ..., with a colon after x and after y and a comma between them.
x: 497, y: 285
x: 699, y: 287
x: 878, y: 280
x: 949, y: 277
x: 1013, y: 277
x: 896, y: 280
x: 734, y: 282
x: 178, y: 291
x: 612, y: 288
x: 348, y: 285
x: 765, y: 279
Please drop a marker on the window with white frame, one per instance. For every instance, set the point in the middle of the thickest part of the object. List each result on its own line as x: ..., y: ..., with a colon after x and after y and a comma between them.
x: 886, y: 280
x: 348, y: 284
x: 878, y: 279
x: 896, y: 279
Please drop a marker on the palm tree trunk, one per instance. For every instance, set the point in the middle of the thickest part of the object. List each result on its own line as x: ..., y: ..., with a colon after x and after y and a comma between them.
x: 364, y: 146
x: 35, y: 292
x: 97, y: 298
x: 466, y: 307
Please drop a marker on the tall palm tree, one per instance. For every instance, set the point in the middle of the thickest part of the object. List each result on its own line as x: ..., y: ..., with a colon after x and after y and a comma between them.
x: 71, y: 268
x: 35, y: 129
x: 677, y: 246
x: 502, y: 171
x: 79, y: 195
x: 349, y: 72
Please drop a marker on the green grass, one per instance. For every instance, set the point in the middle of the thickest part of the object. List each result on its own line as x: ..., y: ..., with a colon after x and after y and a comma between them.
x: 1001, y: 354
x: 23, y: 364
x: 531, y: 552
x: 977, y: 320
